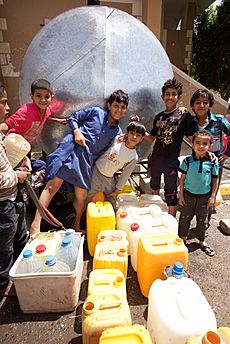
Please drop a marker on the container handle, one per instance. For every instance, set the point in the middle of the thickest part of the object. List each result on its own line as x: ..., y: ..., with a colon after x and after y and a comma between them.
x: 102, y: 282
x: 110, y: 306
x: 160, y: 243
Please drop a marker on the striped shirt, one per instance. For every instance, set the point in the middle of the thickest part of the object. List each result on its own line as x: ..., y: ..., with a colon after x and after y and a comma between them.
x: 8, y: 177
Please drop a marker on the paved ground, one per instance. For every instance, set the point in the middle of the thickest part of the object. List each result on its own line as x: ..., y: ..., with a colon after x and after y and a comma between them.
x: 211, y: 273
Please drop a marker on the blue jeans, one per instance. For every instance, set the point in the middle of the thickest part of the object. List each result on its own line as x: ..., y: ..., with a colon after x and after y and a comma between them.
x: 13, y: 235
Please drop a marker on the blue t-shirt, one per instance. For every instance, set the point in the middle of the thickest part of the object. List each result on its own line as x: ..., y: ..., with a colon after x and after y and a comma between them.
x: 199, y: 174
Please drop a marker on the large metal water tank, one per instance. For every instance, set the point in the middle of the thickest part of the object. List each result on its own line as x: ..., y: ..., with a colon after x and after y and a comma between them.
x: 87, y: 53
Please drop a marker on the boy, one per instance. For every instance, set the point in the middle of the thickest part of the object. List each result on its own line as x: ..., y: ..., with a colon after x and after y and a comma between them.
x: 201, y: 103
x: 93, y: 130
x: 169, y: 128
x: 121, y: 155
x: 13, y: 230
x: 29, y: 120
x: 198, y: 187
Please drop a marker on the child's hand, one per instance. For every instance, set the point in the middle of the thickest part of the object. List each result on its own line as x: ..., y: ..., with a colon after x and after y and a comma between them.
x: 79, y: 138
x: 182, y: 201
x: 114, y: 194
x: 121, y: 138
x: 25, y: 165
x: 222, y: 157
x: 183, y: 109
x: 213, y: 157
x: 211, y: 201
x: 22, y: 175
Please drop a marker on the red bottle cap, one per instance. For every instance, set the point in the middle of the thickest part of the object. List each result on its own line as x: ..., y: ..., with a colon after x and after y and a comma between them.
x: 40, y: 248
x: 123, y: 214
x: 134, y: 227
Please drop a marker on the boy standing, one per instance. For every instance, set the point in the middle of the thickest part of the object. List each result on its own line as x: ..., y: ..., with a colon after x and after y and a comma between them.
x: 169, y: 128
x: 198, y: 187
x: 93, y: 130
x: 121, y: 155
x: 29, y: 120
x: 13, y: 230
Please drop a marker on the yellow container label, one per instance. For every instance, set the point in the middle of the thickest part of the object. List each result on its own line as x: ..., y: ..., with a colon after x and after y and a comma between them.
x: 100, y: 216
x: 135, y: 334
x: 155, y: 251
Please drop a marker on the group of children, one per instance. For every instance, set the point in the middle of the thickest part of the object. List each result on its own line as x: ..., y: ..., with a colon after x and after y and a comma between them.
x: 89, y: 156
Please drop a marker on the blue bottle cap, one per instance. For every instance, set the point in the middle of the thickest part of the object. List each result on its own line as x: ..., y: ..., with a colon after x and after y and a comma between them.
x: 69, y: 232
x: 50, y: 260
x: 178, y: 268
x: 66, y: 241
x: 27, y: 254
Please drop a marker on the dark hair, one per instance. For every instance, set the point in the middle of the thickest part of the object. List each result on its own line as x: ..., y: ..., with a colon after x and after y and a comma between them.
x: 202, y: 132
x: 203, y: 94
x: 136, y: 126
x: 2, y: 89
x: 172, y: 83
x: 41, y: 84
x: 119, y: 96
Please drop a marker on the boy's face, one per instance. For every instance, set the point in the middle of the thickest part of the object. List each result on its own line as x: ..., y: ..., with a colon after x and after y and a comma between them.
x: 170, y: 98
x: 201, y: 145
x: 116, y: 111
x: 201, y: 106
x: 132, y: 139
x: 42, y: 99
x: 4, y: 107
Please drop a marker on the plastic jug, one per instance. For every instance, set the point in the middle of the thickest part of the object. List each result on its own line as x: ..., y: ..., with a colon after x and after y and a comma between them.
x: 101, y: 312
x: 103, y: 281
x: 29, y: 263
x: 67, y: 253
x: 155, y: 251
x: 75, y: 237
x: 111, y: 255
x: 135, y: 232
x: 51, y: 240
x: 54, y: 265
x: 113, y: 235
x: 221, y: 336
x: 123, y: 221
x: 176, y: 270
x: 134, y: 334
x: 177, y: 308
x: 99, y: 216
x: 147, y: 199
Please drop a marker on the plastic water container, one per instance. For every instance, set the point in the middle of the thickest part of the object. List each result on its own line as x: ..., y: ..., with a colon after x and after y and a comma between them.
x: 221, y: 336
x: 67, y: 252
x: 123, y: 222
x: 75, y: 237
x: 126, y: 200
x: 111, y: 255
x: 147, y: 199
x: 54, y: 265
x: 103, y: 281
x: 101, y: 312
x: 99, y: 216
x: 29, y: 263
x: 135, y: 232
x: 170, y: 222
x: 177, y: 309
x: 134, y: 334
x: 155, y: 251
x: 113, y: 235
x: 51, y: 240
x: 176, y: 270
x: 44, y: 292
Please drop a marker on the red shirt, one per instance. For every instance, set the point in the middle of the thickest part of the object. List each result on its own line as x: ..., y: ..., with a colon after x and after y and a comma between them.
x: 28, y: 121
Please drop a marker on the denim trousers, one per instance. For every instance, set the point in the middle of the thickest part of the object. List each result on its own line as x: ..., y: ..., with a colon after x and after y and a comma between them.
x: 13, y: 235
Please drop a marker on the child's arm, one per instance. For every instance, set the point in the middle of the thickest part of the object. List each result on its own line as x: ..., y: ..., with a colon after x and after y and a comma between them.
x: 212, y: 198
x: 4, y: 128
x: 181, y: 195
x: 149, y: 138
x: 125, y: 174
x: 58, y: 120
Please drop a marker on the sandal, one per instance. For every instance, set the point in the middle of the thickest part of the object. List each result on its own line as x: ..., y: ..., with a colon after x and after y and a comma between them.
x: 208, y: 250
